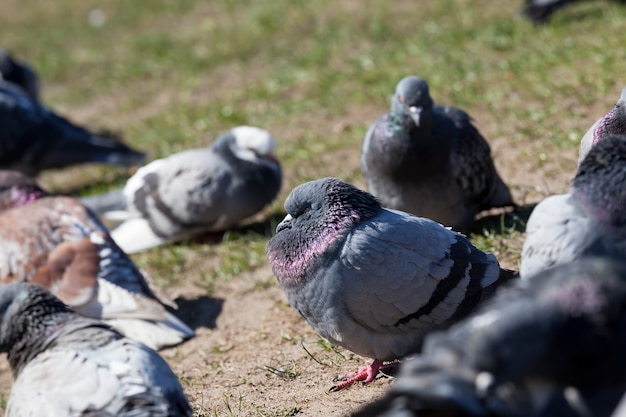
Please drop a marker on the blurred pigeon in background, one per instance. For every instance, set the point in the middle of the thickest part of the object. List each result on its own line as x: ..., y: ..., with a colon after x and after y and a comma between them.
x: 68, y: 365
x: 430, y: 160
x: 33, y: 138
x: 192, y: 192
x: 589, y: 220
x: 540, y: 11
x: 612, y: 123
x: 59, y: 244
x: 373, y: 280
x: 18, y: 72
x: 551, y: 346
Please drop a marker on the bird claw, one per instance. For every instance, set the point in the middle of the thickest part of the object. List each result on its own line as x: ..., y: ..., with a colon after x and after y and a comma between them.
x: 365, y: 374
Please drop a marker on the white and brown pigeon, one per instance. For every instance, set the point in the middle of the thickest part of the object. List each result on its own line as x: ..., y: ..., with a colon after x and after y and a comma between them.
x: 372, y: 280
x: 65, y: 364
x: 589, y: 220
x: 612, y: 123
x: 33, y: 138
x: 18, y: 72
x: 552, y: 345
x: 430, y: 160
x: 193, y: 192
x: 57, y: 243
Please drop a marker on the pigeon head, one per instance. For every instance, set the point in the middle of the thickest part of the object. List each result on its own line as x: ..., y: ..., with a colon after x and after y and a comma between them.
x: 614, y: 122
x: 17, y: 189
x: 319, y: 215
x: 26, y: 311
x: 412, y: 99
x: 599, y: 183
x: 18, y: 73
x: 252, y: 144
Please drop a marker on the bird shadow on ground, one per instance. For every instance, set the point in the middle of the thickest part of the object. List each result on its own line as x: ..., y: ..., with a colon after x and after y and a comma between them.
x: 198, y: 312
x: 504, y: 222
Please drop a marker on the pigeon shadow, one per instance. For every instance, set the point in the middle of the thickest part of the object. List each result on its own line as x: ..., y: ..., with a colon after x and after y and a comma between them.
x: 199, y: 312
x: 504, y: 222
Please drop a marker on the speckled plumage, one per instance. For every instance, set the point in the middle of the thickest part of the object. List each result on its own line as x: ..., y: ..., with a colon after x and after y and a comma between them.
x: 612, y: 123
x: 589, y: 220
x: 33, y: 138
x: 196, y: 191
x: 430, y: 160
x: 551, y: 346
x: 373, y: 280
x: 68, y: 365
x: 59, y: 244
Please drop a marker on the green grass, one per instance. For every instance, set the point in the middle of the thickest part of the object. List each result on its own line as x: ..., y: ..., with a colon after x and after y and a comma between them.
x: 173, y: 74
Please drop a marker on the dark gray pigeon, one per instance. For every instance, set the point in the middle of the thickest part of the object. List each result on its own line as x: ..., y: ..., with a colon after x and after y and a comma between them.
x: 589, y: 220
x: 33, y: 138
x: 192, y: 192
x: 374, y: 280
x: 550, y: 346
x: 430, y: 160
x: 68, y: 365
x: 612, y: 123
x: 19, y: 73
x: 540, y: 11
x: 57, y: 243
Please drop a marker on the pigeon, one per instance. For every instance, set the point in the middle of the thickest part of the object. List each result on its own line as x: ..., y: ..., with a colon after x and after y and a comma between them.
x: 552, y: 345
x: 68, y: 365
x: 56, y: 242
x: 430, y: 160
x: 612, y: 123
x: 193, y: 192
x: 33, y: 138
x: 589, y: 220
x: 374, y: 280
x: 18, y: 72
x: 540, y: 11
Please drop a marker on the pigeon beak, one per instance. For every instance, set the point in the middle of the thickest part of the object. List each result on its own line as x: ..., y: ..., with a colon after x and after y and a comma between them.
x: 415, y: 113
x: 285, y: 224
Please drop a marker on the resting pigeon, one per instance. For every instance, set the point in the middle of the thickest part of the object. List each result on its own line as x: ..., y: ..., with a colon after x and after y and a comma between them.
x: 540, y: 11
x: 33, y: 138
x: 612, y: 123
x: 374, y: 280
x: 589, y: 220
x: 430, y: 160
x: 19, y: 73
x: 552, y: 346
x: 192, y: 192
x: 68, y: 365
x: 59, y: 244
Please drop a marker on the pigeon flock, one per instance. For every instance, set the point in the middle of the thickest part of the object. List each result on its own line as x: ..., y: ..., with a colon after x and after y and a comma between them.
x: 387, y: 273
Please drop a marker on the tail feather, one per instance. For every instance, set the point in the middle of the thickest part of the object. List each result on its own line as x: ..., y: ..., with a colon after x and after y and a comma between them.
x: 540, y: 11
x: 135, y: 235
x: 104, y: 203
x: 155, y: 334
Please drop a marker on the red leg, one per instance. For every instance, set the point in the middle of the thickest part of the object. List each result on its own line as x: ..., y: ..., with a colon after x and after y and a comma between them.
x: 365, y: 374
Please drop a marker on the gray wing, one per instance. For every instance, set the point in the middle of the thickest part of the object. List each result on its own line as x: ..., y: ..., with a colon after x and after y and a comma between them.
x: 472, y: 164
x: 120, y: 378
x: 407, y: 273
x: 556, y: 233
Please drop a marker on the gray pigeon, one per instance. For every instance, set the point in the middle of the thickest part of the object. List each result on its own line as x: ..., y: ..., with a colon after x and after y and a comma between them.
x: 589, y: 220
x: 57, y: 243
x: 374, y: 280
x: 430, y: 160
x: 192, y: 192
x: 19, y: 73
x: 551, y: 346
x: 540, y: 11
x: 612, y: 123
x: 68, y: 365
x: 33, y: 138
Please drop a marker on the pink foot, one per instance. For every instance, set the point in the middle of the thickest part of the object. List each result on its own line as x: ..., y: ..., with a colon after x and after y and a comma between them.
x: 365, y: 374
